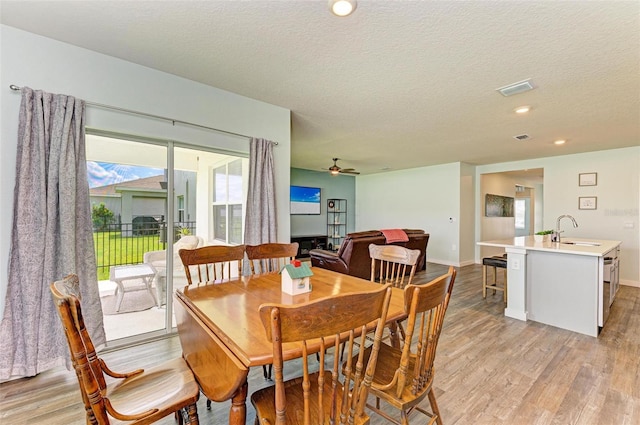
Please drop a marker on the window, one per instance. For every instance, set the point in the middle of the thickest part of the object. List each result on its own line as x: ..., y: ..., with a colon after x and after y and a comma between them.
x: 220, y: 220
x: 520, y: 213
x: 227, y: 202
x: 180, y: 202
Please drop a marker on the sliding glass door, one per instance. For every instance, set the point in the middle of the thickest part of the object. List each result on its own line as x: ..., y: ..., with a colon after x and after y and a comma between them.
x: 149, y: 199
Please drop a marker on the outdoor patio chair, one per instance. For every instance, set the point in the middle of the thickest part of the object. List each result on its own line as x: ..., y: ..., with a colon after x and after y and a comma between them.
x: 158, y: 260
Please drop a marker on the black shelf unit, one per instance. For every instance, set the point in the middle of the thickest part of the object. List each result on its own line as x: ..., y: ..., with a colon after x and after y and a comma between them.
x: 336, y: 222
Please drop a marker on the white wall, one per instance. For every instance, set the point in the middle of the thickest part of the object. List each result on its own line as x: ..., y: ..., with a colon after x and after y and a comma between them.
x: 467, y: 214
x: 617, y: 192
x: 427, y: 197
x: 420, y: 198
x: 41, y: 63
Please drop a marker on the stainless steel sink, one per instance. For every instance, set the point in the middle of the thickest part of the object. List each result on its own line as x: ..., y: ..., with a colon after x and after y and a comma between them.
x: 580, y: 243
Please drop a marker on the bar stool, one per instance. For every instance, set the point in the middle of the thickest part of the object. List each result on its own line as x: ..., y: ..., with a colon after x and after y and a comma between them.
x: 495, y: 262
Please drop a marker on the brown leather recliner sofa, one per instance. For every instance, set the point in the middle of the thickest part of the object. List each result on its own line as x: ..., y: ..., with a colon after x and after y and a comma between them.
x: 353, y: 256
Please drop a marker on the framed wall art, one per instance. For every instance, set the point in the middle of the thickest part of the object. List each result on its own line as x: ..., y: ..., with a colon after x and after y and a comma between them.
x: 498, y: 206
x: 587, y: 203
x: 588, y: 179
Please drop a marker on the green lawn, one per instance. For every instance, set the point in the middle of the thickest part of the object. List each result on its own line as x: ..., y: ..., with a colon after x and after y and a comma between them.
x: 112, y: 249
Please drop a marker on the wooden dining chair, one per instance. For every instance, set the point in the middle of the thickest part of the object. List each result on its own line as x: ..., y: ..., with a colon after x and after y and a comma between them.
x: 270, y: 257
x: 323, y: 396
x: 403, y: 377
x: 139, y: 397
x: 391, y: 264
x: 211, y: 262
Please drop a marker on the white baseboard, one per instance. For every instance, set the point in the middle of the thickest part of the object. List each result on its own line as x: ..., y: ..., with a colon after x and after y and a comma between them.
x: 450, y: 263
x: 633, y: 283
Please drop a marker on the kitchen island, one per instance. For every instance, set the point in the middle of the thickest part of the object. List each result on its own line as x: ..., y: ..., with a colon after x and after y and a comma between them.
x: 559, y: 284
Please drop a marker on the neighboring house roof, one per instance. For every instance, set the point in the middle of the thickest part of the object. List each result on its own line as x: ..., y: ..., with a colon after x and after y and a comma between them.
x: 142, y: 184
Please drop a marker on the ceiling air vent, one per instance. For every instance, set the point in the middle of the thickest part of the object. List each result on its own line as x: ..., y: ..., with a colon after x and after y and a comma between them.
x: 522, y: 137
x: 515, y: 88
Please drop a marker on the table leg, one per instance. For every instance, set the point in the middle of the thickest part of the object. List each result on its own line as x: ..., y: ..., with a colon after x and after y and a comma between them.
x: 147, y: 283
x: 238, y: 410
x: 119, y: 294
x: 160, y: 283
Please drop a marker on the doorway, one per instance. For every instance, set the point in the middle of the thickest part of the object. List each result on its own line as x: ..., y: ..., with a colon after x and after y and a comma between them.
x: 525, y: 187
x: 524, y: 211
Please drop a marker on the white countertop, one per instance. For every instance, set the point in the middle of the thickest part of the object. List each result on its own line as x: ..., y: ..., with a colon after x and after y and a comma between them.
x: 591, y: 247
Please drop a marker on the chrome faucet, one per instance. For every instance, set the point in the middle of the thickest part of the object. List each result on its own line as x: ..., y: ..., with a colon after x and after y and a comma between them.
x: 556, y: 236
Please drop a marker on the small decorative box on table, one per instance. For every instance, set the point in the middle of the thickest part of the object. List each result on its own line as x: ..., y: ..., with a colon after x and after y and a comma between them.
x: 295, y: 278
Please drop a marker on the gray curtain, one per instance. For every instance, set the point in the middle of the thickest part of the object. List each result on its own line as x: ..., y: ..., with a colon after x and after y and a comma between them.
x: 260, y: 219
x: 51, y: 236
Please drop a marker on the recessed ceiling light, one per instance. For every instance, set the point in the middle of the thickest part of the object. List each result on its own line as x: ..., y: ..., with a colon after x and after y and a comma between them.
x: 559, y: 142
x: 342, y: 7
x: 522, y: 109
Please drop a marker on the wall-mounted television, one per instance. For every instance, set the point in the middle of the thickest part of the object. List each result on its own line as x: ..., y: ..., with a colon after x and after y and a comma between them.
x: 305, y: 200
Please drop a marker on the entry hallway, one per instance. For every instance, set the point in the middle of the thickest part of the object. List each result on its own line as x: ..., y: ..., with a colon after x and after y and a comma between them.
x: 489, y: 369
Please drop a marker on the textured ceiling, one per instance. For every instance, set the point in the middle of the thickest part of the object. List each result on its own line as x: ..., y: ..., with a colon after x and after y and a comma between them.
x: 398, y: 84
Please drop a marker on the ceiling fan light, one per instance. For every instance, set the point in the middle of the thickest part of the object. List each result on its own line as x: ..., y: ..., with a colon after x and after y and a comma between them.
x: 335, y: 172
x: 342, y: 7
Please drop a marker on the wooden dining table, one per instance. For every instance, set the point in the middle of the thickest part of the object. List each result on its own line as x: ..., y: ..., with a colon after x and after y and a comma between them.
x: 222, y: 336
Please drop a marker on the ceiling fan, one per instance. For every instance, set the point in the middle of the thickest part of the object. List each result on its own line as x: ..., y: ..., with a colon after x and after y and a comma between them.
x: 335, y: 170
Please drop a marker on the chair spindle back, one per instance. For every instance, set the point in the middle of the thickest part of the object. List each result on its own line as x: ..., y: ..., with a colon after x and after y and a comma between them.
x: 404, y: 376
x: 141, y: 391
x: 88, y: 366
x: 390, y: 263
x: 212, y: 262
x: 426, y: 305
x: 270, y: 257
x: 321, y: 397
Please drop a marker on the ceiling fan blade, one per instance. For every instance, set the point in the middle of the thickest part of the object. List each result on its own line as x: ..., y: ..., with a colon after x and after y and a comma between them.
x: 335, y: 169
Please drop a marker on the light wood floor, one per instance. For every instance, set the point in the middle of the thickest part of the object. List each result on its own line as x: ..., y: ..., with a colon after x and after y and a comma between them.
x: 490, y: 369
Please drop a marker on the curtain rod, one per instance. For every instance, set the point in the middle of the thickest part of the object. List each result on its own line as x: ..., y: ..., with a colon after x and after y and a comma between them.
x: 173, y: 121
